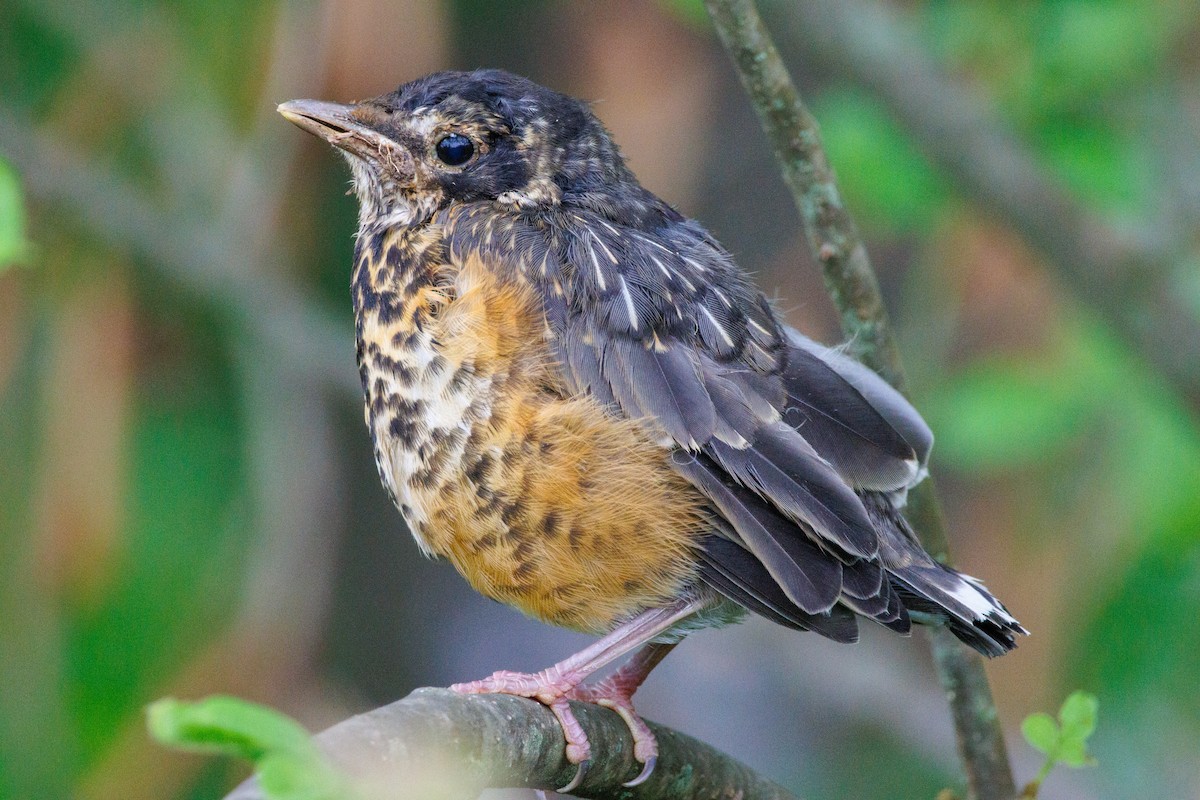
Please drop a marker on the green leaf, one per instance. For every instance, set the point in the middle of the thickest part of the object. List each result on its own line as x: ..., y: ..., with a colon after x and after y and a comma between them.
x: 13, y: 247
x: 1066, y: 744
x: 289, y: 766
x: 1041, y: 731
x: 1073, y: 753
x: 287, y: 777
x: 1078, y: 716
x: 225, y: 725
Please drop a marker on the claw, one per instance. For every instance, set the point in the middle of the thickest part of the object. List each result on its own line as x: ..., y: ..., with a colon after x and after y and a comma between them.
x: 647, y: 769
x: 580, y: 771
x: 556, y: 686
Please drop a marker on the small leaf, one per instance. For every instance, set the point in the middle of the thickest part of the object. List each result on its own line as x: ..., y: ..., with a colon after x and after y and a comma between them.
x: 1073, y: 753
x: 289, y: 777
x: 1078, y: 716
x: 1041, y: 731
x: 289, y: 766
x: 225, y: 725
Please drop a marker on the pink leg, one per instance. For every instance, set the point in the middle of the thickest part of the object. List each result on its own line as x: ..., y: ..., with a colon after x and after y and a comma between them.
x: 616, y: 692
x: 555, y: 685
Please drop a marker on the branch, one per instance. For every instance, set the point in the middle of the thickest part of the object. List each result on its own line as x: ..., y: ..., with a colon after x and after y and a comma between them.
x: 794, y: 136
x: 435, y: 743
x: 1128, y: 276
x: 834, y: 240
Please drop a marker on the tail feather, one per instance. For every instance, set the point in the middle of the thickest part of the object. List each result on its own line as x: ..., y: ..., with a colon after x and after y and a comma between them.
x: 935, y: 594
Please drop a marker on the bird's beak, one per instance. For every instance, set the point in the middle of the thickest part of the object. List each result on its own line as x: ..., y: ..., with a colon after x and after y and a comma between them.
x: 336, y: 124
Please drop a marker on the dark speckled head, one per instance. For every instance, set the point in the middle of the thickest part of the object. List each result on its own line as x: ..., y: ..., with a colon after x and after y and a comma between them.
x: 466, y: 136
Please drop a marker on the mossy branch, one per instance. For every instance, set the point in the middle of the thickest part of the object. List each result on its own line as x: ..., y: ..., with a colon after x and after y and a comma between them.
x: 435, y: 743
x: 837, y: 246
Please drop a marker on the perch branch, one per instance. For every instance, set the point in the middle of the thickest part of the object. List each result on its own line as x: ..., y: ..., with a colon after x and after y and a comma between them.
x: 834, y: 240
x: 1130, y: 275
x: 411, y: 747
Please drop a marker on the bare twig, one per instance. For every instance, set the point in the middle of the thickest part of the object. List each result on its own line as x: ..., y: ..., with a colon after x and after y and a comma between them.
x: 1129, y: 276
x: 838, y: 247
x: 796, y: 140
x: 402, y: 750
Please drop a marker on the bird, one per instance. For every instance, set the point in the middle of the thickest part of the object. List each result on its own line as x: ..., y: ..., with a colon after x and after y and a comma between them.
x: 578, y: 398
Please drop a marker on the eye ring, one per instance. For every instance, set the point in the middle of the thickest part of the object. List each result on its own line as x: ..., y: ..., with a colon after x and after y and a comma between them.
x: 454, y: 149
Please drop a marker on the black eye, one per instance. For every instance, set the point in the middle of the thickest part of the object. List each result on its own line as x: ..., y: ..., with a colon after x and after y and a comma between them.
x: 455, y: 149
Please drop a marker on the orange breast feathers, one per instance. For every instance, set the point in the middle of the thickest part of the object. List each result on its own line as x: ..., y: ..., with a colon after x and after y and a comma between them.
x: 558, y: 507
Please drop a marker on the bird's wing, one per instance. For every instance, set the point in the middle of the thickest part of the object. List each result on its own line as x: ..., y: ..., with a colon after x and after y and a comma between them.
x: 824, y: 391
x: 777, y: 432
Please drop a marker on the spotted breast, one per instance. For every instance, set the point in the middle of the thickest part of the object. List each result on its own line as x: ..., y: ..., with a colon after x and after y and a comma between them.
x: 541, y: 500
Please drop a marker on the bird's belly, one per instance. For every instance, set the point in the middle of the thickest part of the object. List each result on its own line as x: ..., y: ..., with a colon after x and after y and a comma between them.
x: 565, y: 513
x: 544, y: 502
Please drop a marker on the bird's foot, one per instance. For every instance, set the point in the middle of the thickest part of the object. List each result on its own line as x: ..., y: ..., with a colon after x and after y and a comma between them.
x: 553, y: 689
x: 616, y: 693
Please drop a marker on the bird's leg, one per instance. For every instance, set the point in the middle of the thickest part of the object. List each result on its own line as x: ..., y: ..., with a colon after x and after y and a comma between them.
x: 554, y: 686
x: 616, y: 692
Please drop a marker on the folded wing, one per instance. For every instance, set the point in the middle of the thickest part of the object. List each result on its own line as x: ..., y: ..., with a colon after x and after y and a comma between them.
x: 804, y: 452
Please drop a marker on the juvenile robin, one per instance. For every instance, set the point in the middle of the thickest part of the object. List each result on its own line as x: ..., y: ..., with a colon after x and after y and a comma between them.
x: 578, y: 399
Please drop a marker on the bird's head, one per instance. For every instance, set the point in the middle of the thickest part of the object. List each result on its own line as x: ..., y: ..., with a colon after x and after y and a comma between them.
x: 464, y: 136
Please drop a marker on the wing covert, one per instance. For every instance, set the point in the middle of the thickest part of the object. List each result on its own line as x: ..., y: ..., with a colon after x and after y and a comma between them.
x: 662, y: 326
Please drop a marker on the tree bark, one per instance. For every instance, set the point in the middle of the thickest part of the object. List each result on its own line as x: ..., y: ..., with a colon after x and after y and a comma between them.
x: 436, y: 743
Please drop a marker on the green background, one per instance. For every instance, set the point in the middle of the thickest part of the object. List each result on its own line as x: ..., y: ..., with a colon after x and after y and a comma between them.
x: 188, y: 503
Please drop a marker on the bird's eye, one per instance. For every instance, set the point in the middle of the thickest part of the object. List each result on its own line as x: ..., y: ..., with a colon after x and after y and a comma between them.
x: 455, y: 149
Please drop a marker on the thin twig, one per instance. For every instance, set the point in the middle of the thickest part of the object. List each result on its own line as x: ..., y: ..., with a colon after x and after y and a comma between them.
x: 1129, y: 275
x: 403, y: 750
x: 835, y: 241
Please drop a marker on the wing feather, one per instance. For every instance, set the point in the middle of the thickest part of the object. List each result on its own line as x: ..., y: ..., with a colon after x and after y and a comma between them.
x: 804, y: 454
x: 781, y: 466
x: 844, y: 427
x: 886, y: 402
x: 665, y: 384
x: 737, y: 573
x: 809, y: 578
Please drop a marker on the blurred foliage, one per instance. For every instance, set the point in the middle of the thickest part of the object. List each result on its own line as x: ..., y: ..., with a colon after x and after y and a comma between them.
x: 13, y: 247
x: 187, y: 519
x: 691, y: 11
x: 1103, y: 457
x: 1109, y: 456
x: 165, y: 590
x: 890, y: 186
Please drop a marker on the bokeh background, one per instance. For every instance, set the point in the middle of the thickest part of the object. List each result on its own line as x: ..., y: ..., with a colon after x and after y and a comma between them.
x: 188, y: 502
